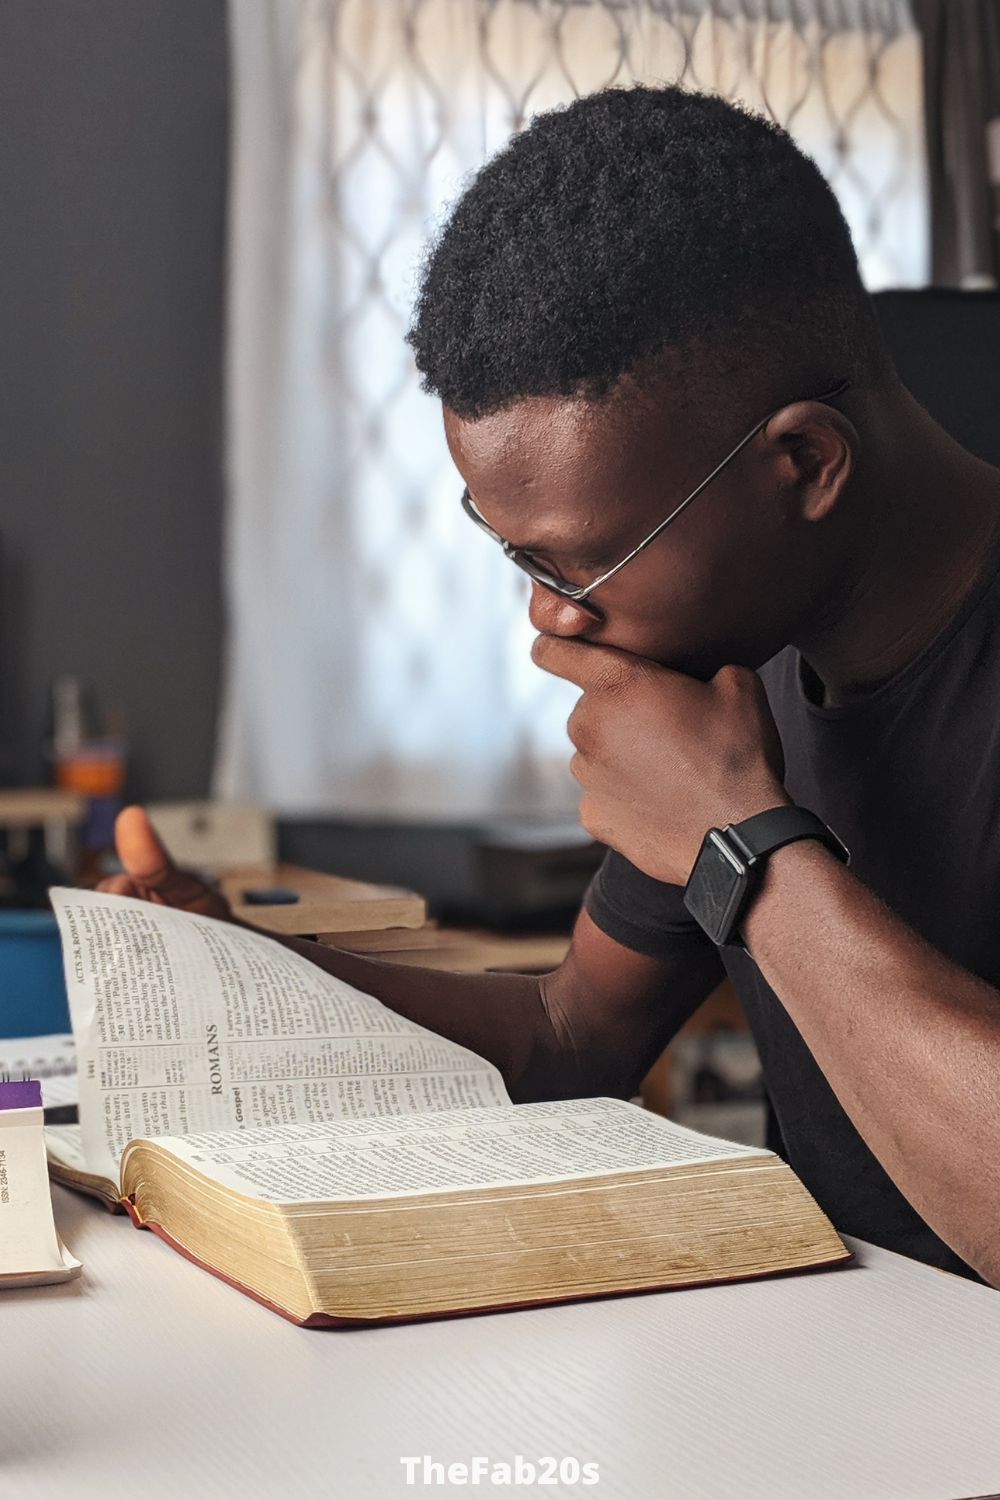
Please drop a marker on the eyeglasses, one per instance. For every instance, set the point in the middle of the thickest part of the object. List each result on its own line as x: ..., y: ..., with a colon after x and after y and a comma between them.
x: 580, y: 594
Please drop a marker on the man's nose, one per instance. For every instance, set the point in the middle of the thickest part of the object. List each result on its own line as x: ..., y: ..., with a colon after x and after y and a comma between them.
x: 551, y: 614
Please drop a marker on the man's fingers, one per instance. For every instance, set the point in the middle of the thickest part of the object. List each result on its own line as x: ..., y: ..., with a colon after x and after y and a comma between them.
x: 144, y: 858
x: 588, y: 665
x: 118, y: 885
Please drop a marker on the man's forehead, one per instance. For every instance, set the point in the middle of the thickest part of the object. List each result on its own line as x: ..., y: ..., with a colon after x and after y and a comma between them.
x: 548, y: 441
x: 540, y: 429
x: 537, y: 472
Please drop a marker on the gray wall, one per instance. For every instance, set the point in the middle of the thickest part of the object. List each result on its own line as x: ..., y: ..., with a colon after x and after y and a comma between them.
x: 113, y: 120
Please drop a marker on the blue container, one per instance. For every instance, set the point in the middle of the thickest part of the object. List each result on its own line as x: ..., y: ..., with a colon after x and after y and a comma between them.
x: 32, y: 986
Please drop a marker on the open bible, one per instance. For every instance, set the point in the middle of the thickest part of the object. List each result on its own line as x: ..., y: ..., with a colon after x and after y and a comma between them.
x: 343, y: 1165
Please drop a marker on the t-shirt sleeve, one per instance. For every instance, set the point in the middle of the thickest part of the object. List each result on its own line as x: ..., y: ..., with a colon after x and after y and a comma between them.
x: 643, y: 914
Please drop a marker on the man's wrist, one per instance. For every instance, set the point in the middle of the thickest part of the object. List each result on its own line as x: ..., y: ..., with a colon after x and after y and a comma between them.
x: 755, y: 801
x: 747, y: 804
x: 732, y: 865
x: 790, y: 870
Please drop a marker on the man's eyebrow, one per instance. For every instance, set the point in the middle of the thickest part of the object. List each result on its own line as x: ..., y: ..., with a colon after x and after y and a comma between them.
x: 570, y: 552
x: 598, y: 552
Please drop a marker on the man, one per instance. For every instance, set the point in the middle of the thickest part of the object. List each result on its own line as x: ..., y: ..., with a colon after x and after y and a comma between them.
x: 639, y: 287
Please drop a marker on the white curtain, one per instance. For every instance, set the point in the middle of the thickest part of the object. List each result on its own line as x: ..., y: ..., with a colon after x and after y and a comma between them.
x: 378, y: 645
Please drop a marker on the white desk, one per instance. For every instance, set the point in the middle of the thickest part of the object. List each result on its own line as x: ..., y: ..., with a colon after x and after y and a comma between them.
x: 149, y: 1377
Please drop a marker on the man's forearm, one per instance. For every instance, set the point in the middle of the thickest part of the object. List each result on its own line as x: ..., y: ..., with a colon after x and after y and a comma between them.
x: 909, y: 1042
x: 501, y: 1017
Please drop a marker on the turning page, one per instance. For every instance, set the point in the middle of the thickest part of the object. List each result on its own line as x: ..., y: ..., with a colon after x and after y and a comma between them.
x: 184, y: 1023
x: 470, y: 1148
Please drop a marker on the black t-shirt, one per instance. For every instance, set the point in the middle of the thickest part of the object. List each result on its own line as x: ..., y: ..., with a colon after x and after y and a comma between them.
x: 909, y: 777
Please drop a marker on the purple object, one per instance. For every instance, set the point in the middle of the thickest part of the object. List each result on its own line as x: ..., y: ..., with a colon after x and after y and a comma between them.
x: 22, y: 1095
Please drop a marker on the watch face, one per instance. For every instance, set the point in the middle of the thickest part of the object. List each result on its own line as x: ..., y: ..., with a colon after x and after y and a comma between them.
x: 714, y: 893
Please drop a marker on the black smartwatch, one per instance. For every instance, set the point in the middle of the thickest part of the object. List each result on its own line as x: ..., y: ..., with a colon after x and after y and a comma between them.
x: 731, y: 863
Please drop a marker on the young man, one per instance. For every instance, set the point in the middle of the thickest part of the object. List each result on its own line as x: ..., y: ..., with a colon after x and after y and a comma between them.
x: 638, y: 288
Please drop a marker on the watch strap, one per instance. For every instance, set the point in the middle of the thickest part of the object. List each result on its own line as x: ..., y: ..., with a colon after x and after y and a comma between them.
x: 765, y: 832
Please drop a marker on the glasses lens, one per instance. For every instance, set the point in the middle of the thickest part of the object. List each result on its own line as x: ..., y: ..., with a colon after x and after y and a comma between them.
x: 529, y: 564
x: 557, y: 586
x: 469, y: 506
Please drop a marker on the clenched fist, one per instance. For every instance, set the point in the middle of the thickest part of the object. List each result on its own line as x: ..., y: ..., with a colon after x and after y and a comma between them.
x: 661, y: 757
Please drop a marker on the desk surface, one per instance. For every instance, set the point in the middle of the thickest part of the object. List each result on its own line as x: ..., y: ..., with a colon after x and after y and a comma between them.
x: 880, y: 1381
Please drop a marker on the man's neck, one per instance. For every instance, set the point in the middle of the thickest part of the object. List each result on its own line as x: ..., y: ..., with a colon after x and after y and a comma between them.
x: 927, y: 514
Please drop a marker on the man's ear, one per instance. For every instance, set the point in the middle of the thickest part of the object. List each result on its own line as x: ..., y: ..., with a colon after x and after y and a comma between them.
x: 816, y: 449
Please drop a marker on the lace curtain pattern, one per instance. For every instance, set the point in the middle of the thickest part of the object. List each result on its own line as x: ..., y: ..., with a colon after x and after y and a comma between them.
x: 378, y: 645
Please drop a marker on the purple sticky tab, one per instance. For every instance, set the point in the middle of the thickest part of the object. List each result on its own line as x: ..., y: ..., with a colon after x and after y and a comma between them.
x: 26, y: 1095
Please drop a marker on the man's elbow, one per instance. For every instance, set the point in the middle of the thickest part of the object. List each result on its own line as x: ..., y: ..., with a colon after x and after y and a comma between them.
x: 567, y: 1061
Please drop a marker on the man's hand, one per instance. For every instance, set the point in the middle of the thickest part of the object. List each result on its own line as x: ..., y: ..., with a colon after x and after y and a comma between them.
x: 661, y: 757
x: 151, y: 875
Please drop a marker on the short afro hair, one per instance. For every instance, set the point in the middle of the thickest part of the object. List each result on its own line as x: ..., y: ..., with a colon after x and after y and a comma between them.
x: 635, y: 227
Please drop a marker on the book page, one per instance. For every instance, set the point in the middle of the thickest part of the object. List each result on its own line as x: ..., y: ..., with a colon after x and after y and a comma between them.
x: 184, y: 1023
x: 65, y: 1143
x: 468, y: 1148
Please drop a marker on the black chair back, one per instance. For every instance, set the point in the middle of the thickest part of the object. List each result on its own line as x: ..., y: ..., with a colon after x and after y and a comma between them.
x: 946, y: 345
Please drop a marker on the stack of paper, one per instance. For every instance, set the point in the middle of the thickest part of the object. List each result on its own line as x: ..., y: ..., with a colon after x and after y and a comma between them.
x: 31, y: 1252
